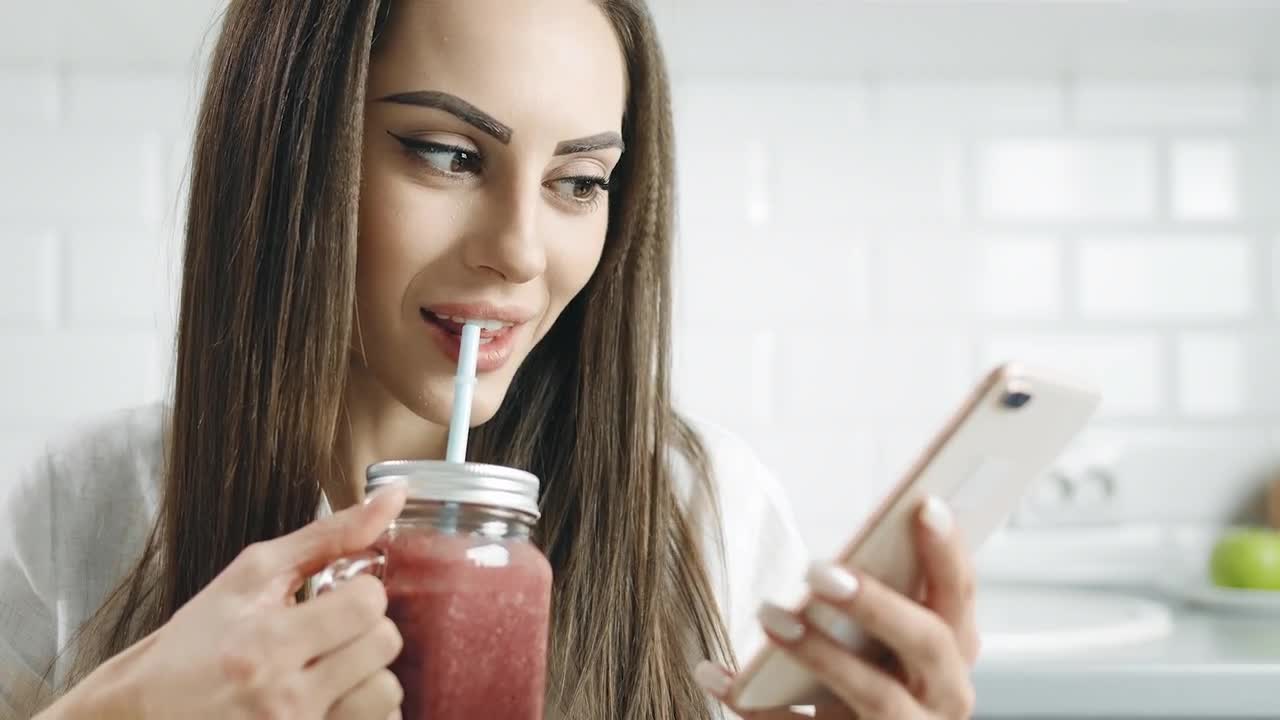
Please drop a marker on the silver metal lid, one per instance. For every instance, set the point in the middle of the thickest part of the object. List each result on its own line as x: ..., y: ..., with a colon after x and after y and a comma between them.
x: 471, y: 483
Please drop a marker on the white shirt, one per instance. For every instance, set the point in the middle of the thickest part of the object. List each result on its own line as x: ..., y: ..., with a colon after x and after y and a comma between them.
x: 74, y: 521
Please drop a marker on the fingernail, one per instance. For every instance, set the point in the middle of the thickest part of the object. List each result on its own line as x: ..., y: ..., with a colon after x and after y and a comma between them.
x: 781, y: 623
x: 835, y: 625
x: 712, y: 678
x: 937, y: 516
x: 832, y: 581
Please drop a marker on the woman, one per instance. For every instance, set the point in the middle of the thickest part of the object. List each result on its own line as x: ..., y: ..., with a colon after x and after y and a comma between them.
x: 363, y: 171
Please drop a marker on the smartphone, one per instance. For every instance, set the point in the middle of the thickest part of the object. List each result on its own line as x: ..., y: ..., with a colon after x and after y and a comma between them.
x: 1005, y: 434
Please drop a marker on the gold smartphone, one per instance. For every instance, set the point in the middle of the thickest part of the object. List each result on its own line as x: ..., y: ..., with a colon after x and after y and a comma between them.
x: 1005, y: 434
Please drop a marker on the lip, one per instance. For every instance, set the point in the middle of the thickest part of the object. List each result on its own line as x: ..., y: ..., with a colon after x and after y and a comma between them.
x: 483, y: 311
x: 494, y: 353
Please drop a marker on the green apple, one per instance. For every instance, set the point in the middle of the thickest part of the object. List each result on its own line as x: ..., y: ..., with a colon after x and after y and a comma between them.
x: 1247, y: 558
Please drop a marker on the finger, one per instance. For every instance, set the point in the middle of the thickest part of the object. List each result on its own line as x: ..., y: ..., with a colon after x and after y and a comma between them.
x: 867, y: 690
x: 287, y: 561
x: 850, y: 606
x: 339, y: 672
x: 288, y: 638
x: 713, y: 679
x: 945, y: 561
x: 378, y: 696
x: 948, y: 573
x: 329, y: 621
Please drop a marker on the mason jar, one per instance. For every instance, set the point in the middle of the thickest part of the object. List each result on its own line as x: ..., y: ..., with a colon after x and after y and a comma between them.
x: 467, y: 588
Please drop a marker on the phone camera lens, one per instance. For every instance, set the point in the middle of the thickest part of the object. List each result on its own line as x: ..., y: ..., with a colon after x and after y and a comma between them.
x: 1016, y: 395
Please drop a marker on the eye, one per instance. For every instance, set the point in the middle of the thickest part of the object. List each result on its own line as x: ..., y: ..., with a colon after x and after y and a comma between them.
x: 441, y: 158
x: 582, y: 189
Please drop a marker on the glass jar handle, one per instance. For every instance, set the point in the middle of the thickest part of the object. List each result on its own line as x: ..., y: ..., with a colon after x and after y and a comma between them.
x: 369, y: 562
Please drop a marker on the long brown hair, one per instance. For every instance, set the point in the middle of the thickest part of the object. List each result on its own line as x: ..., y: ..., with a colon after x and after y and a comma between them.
x: 262, y: 356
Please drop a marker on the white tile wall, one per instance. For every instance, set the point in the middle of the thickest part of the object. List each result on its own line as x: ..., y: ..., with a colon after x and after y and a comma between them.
x: 923, y: 275
x: 32, y: 94
x: 119, y: 279
x: 88, y: 175
x: 854, y: 249
x: 1194, y: 103
x: 61, y: 375
x: 906, y: 176
x: 1159, y: 277
x: 1058, y: 179
x: 29, y: 296
x: 1213, y: 377
x: 1204, y: 180
x: 1020, y: 276
x: 96, y: 100
x: 1228, y: 375
x: 974, y: 106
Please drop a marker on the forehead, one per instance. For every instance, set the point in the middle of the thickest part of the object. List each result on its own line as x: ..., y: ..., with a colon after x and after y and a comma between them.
x: 537, y: 65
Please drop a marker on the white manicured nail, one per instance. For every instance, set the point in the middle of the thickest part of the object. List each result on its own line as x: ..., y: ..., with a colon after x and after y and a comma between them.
x: 937, y: 517
x: 781, y: 623
x: 835, y: 625
x: 712, y: 678
x: 832, y: 581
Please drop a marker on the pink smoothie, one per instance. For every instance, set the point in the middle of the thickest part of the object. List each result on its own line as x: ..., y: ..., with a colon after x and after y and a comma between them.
x: 474, y: 615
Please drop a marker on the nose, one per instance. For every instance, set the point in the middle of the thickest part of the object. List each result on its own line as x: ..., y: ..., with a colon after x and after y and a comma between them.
x: 506, y: 240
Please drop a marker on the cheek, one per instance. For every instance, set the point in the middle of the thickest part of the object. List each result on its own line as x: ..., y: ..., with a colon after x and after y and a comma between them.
x: 393, y: 247
x: 378, y: 272
x: 574, y: 255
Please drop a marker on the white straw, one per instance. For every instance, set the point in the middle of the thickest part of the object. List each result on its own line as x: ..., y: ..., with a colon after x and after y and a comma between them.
x: 464, y: 383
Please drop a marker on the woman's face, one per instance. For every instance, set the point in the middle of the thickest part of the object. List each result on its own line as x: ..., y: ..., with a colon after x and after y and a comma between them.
x: 491, y: 130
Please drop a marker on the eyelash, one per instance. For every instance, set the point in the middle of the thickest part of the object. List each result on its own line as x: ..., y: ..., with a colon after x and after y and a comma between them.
x: 420, y: 150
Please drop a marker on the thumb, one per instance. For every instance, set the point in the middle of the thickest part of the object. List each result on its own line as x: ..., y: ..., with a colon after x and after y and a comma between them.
x: 292, y: 558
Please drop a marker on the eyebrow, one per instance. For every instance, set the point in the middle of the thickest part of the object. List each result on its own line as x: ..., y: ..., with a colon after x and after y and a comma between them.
x: 456, y: 106
x: 488, y: 124
x: 598, y: 141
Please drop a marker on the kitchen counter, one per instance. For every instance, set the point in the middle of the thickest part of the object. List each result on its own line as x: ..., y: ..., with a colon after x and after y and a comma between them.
x: 1209, y: 666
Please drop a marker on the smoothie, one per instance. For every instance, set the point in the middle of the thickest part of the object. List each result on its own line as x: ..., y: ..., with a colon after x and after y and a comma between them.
x: 474, y: 614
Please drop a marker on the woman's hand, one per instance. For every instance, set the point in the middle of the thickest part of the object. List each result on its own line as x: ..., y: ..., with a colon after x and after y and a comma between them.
x: 935, y: 641
x: 242, y: 648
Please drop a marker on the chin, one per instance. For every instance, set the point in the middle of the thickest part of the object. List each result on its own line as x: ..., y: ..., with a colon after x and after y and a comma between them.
x: 435, y: 401
x: 483, y: 408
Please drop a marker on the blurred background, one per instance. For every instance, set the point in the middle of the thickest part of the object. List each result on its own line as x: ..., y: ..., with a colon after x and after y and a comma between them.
x: 878, y: 201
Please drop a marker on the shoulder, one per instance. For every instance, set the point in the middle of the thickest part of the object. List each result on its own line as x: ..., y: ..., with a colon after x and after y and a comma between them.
x: 751, y: 544
x: 73, y: 518
x: 77, y: 509
x: 744, y: 486
x: 94, y: 465
x: 730, y: 461
x: 128, y: 437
